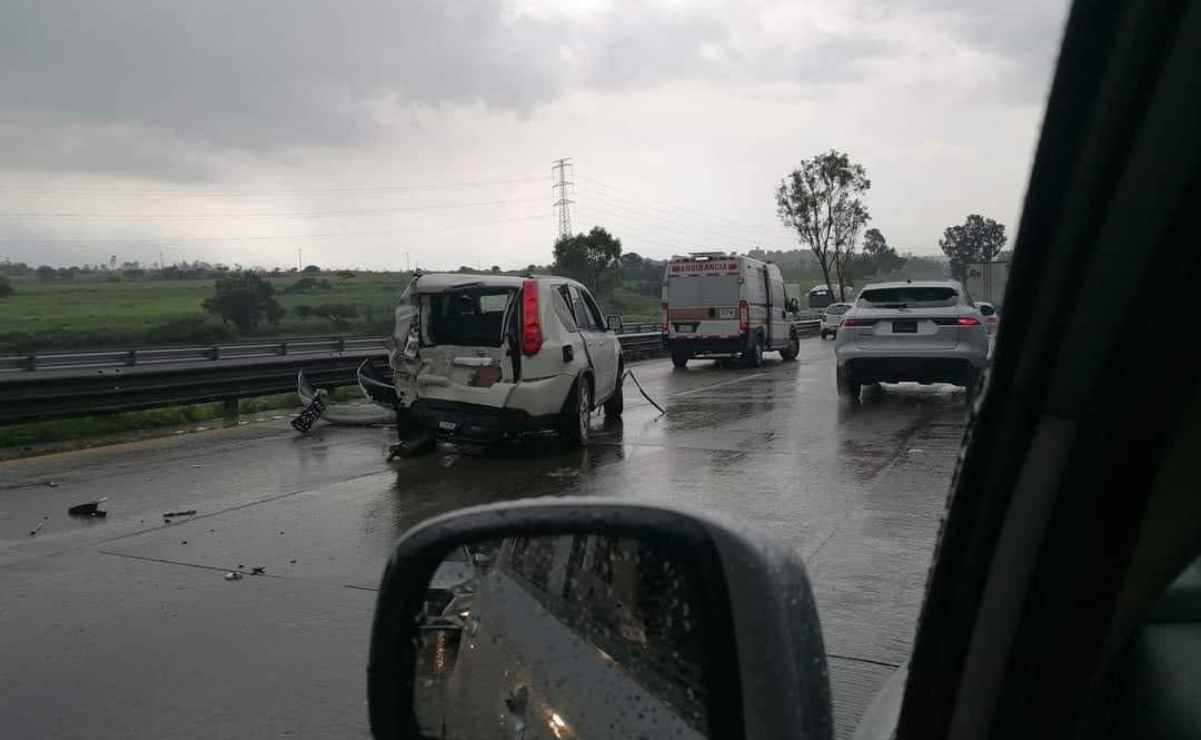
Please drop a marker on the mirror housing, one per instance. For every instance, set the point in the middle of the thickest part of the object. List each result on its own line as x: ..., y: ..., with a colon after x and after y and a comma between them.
x: 988, y: 311
x: 792, y: 305
x: 761, y: 620
x: 615, y: 323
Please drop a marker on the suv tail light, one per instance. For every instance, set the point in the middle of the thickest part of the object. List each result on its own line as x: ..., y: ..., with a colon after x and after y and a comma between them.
x: 744, y: 316
x: 856, y: 322
x: 967, y: 321
x: 663, y: 316
x: 531, y: 328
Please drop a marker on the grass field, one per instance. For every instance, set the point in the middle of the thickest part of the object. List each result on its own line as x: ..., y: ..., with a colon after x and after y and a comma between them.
x: 96, y: 311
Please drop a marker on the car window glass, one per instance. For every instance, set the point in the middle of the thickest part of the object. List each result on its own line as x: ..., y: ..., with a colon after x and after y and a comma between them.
x: 837, y: 310
x: 910, y: 295
x: 581, y: 311
x: 595, y: 317
x: 563, y: 308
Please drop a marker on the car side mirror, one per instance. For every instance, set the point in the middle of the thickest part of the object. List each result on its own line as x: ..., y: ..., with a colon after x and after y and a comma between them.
x: 987, y: 310
x: 615, y: 324
x: 596, y: 618
x: 792, y: 305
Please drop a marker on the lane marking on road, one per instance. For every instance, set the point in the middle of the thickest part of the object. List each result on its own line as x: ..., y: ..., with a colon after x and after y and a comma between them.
x: 720, y: 385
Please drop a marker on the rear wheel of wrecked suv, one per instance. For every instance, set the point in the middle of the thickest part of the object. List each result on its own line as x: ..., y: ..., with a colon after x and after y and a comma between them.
x: 616, y: 403
x: 576, y: 413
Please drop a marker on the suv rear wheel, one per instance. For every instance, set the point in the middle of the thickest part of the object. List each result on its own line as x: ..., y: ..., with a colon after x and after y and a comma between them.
x: 680, y: 359
x: 616, y: 403
x: 576, y: 413
x: 848, y: 387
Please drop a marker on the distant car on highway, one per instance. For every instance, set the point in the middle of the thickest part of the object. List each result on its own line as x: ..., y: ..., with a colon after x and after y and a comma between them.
x: 992, y: 317
x: 917, y: 331
x: 479, y: 357
x: 831, y: 317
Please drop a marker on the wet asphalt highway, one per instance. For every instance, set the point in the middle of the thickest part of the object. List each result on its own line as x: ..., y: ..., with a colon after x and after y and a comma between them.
x: 125, y: 626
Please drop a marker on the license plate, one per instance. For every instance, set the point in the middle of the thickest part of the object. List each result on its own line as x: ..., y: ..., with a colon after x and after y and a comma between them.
x: 686, y: 327
x: 448, y: 426
x: 909, y: 326
x: 727, y: 313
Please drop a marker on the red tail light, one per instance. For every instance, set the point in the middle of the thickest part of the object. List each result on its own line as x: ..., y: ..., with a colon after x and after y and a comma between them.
x: 531, y: 328
x: 968, y: 321
x: 744, y: 316
x: 663, y: 316
x: 856, y: 322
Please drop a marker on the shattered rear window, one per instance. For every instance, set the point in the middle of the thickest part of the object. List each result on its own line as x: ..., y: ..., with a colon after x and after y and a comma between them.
x: 473, y: 318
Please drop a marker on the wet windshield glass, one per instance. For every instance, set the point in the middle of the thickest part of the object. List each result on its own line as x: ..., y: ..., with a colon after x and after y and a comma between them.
x: 837, y: 310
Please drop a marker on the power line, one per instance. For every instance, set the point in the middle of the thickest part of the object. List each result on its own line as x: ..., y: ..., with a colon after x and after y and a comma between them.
x: 266, y: 191
x: 727, y: 232
x: 296, y: 214
x: 702, y: 215
x: 676, y: 239
x: 697, y: 235
x: 335, y: 235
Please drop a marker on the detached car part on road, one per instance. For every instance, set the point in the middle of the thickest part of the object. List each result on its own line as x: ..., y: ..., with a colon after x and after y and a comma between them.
x: 477, y: 358
x: 919, y: 331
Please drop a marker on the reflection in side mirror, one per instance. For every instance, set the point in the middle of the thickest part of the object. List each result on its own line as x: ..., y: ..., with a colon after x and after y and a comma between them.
x: 580, y: 635
x: 987, y: 310
x: 592, y: 618
x: 793, y: 305
x: 615, y: 324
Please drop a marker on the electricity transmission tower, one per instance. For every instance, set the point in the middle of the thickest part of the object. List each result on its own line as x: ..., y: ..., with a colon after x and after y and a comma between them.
x: 562, y: 202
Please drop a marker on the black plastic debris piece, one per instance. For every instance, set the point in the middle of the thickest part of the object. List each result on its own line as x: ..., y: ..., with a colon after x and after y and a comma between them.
x: 186, y: 512
x: 309, y: 416
x: 233, y: 576
x: 33, y: 532
x: 89, y: 509
x: 258, y: 570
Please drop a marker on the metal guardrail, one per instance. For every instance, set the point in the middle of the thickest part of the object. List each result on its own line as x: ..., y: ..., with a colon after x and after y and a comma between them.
x: 73, y: 384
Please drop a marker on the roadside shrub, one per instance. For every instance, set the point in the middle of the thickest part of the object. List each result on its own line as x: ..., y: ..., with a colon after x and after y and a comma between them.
x: 6, y: 287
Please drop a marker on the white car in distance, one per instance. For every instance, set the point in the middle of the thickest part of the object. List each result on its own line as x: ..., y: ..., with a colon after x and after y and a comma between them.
x: 480, y: 357
x: 832, y: 317
x: 918, y: 331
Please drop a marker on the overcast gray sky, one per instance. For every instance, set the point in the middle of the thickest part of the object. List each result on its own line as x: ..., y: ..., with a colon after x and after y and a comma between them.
x: 372, y: 132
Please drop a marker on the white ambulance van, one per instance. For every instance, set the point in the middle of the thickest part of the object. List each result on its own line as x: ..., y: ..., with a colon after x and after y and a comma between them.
x: 724, y: 305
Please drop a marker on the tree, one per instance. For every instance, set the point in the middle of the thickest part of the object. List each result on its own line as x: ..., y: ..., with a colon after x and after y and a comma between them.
x: 979, y: 239
x: 304, y: 312
x: 346, y: 274
x: 46, y: 272
x: 820, y: 201
x: 311, y: 270
x: 495, y: 269
x: 244, y: 299
x: 6, y: 287
x: 878, y: 256
x: 591, y: 258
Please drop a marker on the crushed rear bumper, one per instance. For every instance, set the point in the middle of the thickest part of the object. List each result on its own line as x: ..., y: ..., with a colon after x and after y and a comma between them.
x: 456, y: 421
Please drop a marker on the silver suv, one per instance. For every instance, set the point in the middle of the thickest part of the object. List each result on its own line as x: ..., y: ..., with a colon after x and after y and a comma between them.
x: 918, y: 331
x: 480, y: 357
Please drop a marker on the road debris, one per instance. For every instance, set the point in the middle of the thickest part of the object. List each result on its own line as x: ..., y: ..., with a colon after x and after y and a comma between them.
x: 33, y: 532
x: 309, y: 416
x: 52, y: 483
x: 89, y: 509
x: 233, y: 576
x: 629, y: 374
x: 176, y: 514
x: 258, y: 570
x: 419, y: 442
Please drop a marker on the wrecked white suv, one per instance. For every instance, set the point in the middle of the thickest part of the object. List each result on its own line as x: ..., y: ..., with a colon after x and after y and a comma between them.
x: 480, y: 357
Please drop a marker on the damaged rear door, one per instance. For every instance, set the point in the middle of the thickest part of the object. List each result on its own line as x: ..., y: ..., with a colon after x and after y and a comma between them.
x: 467, y: 341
